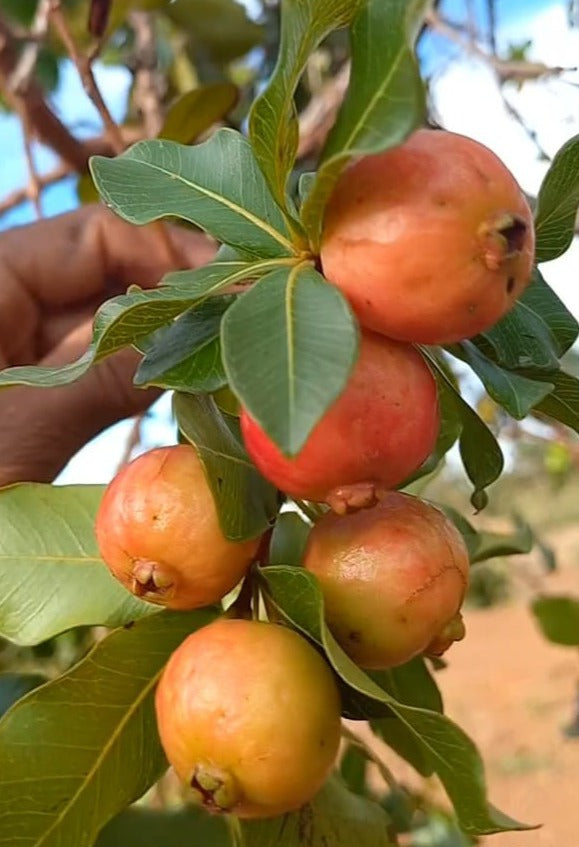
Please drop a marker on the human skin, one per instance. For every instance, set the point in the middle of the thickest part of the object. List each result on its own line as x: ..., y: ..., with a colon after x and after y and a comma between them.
x: 249, y: 716
x: 393, y: 579
x: 379, y: 431
x: 431, y: 241
x: 53, y: 275
x: 158, y: 531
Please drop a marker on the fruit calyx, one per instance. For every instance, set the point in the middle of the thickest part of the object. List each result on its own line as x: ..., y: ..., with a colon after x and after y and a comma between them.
x: 214, y: 788
x: 351, y: 498
x: 501, y: 238
x: 150, y: 580
x: 455, y: 630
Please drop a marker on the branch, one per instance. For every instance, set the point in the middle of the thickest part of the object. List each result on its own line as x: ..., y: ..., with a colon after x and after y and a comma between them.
x: 23, y: 195
x: 22, y: 74
x: 319, y: 115
x: 148, y: 91
x: 30, y: 101
x: 506, y: 70
x: 84, y: 67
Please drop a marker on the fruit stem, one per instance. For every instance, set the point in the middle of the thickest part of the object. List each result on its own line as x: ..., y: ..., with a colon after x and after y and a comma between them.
x: 373, y: 757
x: 241, y: 606
x: 312, y: 511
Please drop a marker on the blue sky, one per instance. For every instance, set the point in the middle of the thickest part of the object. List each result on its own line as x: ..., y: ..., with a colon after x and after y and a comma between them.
x: 465, y: 95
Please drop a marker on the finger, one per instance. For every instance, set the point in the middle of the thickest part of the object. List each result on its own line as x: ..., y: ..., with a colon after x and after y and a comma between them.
x: 90, y: 252
x: 42, y: 429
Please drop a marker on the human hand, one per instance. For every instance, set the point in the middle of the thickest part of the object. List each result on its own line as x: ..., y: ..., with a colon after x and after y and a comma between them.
x: 53, y: 276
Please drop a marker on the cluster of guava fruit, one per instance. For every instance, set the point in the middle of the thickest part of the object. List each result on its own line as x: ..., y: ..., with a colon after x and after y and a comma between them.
x: 431, y: 243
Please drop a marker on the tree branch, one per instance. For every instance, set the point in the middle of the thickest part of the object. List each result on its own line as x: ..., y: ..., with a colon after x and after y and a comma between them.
x: 23, y: 195
x: 30, y: 101
x: 84, y: 67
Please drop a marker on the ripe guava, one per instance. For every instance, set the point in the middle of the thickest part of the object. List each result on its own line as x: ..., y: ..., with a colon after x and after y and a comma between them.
x: 158, y: 531
x: 393, y: 579
x: 431, y: 241
x: 379, y: 431
x: 249, y: 716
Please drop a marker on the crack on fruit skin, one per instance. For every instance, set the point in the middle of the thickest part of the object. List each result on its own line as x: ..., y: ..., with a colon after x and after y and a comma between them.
x: 432, y: 579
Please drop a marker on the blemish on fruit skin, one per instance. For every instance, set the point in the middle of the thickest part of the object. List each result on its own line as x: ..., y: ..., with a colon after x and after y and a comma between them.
x: 510, y: 284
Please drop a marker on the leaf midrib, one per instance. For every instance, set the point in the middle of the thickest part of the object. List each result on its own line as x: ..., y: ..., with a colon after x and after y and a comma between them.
x: 100, y: 758
x: 219, y: 198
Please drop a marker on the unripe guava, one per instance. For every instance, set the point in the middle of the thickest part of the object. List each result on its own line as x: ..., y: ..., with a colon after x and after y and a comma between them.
x: 249, y: 716
x: 158, y: 531
x: 431, y: 241
x: 393, y: 579
x: 379, y: 431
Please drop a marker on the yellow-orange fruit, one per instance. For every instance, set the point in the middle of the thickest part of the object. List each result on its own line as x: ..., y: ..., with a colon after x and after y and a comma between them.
x: 431, y: 241
x: 393, y: 579
x: 158, y: 531
x: 249, y: 716
x: 379, y: 431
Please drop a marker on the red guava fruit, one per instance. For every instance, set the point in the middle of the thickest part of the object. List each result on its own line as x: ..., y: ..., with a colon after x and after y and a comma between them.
x: 158, y: 531
x: 249, y: 716
x: 431, y: 241
x: 393, y: 579
x: 379, y: 431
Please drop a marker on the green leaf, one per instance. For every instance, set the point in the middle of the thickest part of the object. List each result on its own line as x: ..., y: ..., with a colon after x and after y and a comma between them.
x: 448, y: 434
x: 488, y: 545
x: 129, y: 318
x: 273, y: 126
x: 537, y: 331
x: 558, y: 618
x: 385, y: 100
x: 246, y: 503
x: 412, y: 684
x: 216, y: 185
x: 288, y: 540
x: 186, y: 355
x: 479, y: 450
x: 221, y: 28
x: 188, y: 827
x: 78, y: 750
x: 353, y: 769
x: 451, y: 754
x: 13, y: 686
x: 515, y: 393
x: 197, y: 110
x: 557, y: 203
x: 52, y: 576
x: 289, y: 346
x: 562, y: 404
x: 334, y: 818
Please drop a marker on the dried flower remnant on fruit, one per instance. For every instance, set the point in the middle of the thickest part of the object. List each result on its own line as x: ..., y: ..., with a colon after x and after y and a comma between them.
x: 158, y: 531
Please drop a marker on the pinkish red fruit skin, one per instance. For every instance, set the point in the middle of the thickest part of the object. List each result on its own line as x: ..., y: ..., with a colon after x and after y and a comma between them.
x: 158, y: 514
x: 253, y: 704
x: 380, y: 430
x: 393, y: 578
x: 410, y: 238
